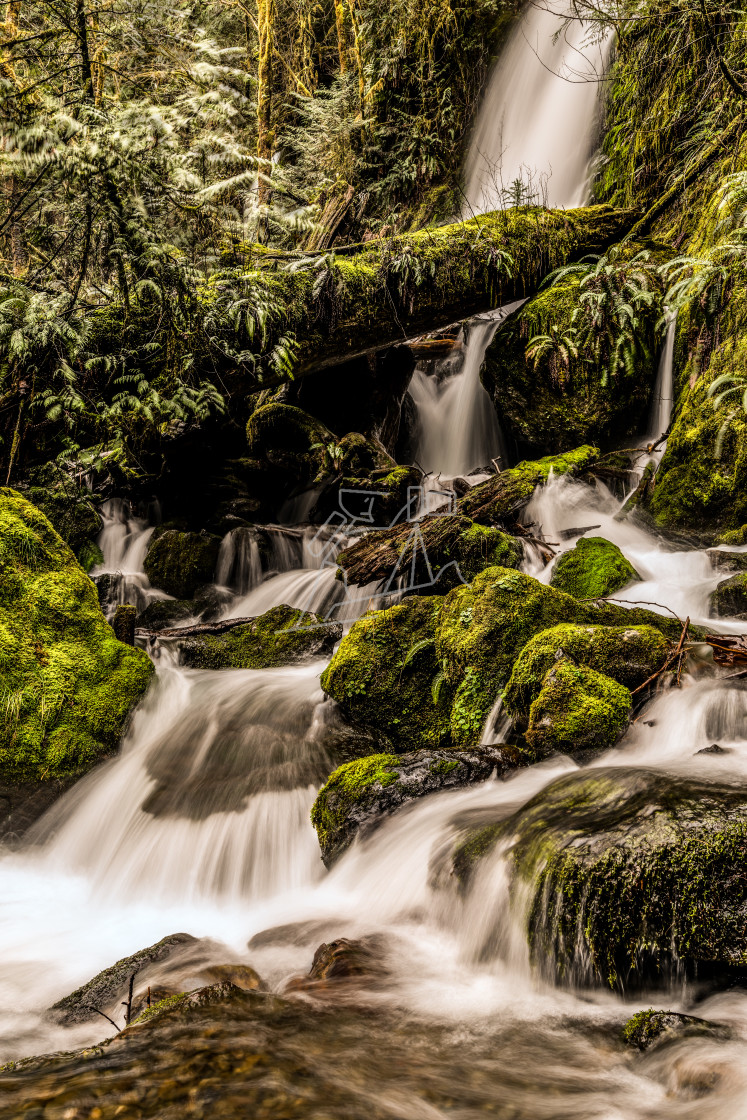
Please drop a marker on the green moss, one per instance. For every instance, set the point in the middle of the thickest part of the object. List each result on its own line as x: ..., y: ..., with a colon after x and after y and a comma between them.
x: 355, y: 783
x: 278, y: 637
x: 577, y: 709
x: 729, y: 600
x: 500, y: 496
x: 444, y: 766
x: 157, y: 1009
x: 71, y: 512
x: 386, y: 687
x: 627, y: 654
x: 593, y: 569
x: 67, y: 684
x: 179, y: 563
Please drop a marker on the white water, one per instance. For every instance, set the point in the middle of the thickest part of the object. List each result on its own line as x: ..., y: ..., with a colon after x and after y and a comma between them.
x: 539, y: 119
x: 124, y: 541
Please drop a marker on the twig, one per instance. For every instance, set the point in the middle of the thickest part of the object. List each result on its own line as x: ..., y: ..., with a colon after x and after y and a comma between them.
x: 105, y: 1016
x: 631, y: 602
x: 678, y: 653
x: 128, y: 1004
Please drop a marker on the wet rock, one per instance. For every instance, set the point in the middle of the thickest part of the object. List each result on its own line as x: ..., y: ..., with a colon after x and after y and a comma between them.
x: 241, y: 975
x: 148, y: 997
x: 729, y: 600
x: 178, y: 563
x: 342, y: 964
x: 577, y: 709
x: 594, y: 569
x: 281, y: 636
x: 294, y: 933
x: 649, y: 1029
x: 339, y: 740
x: 714, y: 749
x: 107, y: 587
x: 112, y: 983
x: 160, y: 614
x: 724, y: 560
x: 357, y: 796
x: 123, y: 623
x: 633, y: 874
x: 56, y: 645
x: 23, y: 803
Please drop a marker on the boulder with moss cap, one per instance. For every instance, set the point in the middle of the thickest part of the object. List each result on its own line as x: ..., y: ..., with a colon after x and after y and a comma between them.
x: 577, y: 709
x: 594, y: 569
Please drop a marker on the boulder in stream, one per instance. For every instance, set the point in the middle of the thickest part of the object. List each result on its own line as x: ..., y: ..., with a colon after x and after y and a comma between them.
x: 577, y: 709
x: 594, y: 569
x: 727, y: 560
x: 359, y: 795
x: 632, y: 875
x: 178, y: 563
x: 281, y: 636
x: 69, y: 685
x: 729, y: 600
x: 648, y: 1029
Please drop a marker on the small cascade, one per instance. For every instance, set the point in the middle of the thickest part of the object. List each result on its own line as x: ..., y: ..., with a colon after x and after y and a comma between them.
x: 536, y: 131
x: 458, y: 427
x: 124, y: 541
x: 239, y: 563
x: 210, y: 795
x: 663, y: 398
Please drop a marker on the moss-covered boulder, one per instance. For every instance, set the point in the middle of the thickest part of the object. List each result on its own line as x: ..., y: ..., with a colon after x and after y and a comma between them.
x: 72, y: 513
x: 549, y: 406
x: 503, y: 496
x: 633, y: 875
x: 593, y: 569
x: 358, y: 796
x: 628, y: 654
x: 67, y: 684
x: 729, y: 600
x: 178, y: 563
x: 160, y: 614
x: 281, y: 636
x: 428, y: 671
x: 577, y: 709
x: 387, y: 680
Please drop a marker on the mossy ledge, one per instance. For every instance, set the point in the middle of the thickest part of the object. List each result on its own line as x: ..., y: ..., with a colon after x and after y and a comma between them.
x: 281, y: 636
x: 68, y: 685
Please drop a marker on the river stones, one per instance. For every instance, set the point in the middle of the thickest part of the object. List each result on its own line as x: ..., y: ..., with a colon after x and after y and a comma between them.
x: 594, y: 569
x: 729, y: 600
x: 726, y: 560
x: 357, y: 796
x: 178, y: 563
x: 631, y: 874
x: 110, y: 985
x: 281, y: 636
x: 343, y: 965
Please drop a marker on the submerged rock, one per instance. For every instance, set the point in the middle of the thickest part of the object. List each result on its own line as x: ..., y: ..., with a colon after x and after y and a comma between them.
x: 343, y: 965
x: 594, y: 569
x: 648, y: 1029
x: 178, y: 563
x: 729, y: 600
x: 357, y: 796
x: 82, y: 1005
x: 281, y: 636
x: 577, y: 709
x: 69, y: 685
x: 632, y: 874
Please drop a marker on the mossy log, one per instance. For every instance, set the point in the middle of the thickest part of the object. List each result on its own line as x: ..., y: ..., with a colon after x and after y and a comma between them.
x: 387, y: 292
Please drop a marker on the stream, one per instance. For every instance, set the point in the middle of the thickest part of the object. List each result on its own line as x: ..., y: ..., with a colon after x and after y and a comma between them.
x: 201, y: 823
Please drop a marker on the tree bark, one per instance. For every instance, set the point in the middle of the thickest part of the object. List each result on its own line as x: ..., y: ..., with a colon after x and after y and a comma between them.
x: 266, y: 36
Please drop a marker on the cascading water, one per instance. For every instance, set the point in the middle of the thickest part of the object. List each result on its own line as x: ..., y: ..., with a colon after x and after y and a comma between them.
x: 124, y: 541
x: 535, y: 133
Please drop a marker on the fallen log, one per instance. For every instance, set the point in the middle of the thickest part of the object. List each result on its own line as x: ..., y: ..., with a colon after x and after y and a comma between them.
x: 383, y: 293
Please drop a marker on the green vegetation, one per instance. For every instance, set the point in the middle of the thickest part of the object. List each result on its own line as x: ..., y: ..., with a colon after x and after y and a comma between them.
x: 179, y: 563
x: 281, y: 636
x: 354, y: 784
x: 593, y: 569
x: 68, y: 685
x: 577, y: 709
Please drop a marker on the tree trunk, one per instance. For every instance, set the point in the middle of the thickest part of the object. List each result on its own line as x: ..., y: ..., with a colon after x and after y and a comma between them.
x: 265, y: 136
x: 342, y: 49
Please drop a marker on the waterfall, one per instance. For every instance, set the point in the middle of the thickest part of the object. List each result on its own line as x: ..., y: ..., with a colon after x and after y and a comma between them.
x: 663, y: 399
x: 458, y: 430
x: 124, y: 540
x: 239, y: 563
x: 538, y: 121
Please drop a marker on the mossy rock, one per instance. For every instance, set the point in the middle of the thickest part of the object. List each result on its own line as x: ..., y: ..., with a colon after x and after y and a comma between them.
x: 577, y: 709
x: 729, y: 600
x: 550, y: 407
x: 628, y: 654
x: 385, y: 672
x: 160, y: 614
x: 178, y: 563
x: 634, y: 875
x: 648, y: 1029
x: 72, y: 513
x: 286, y: 444
x: 358, y: 796
x: 281, y: 636
x: 594, y: 569
x: 68, y: 685
x: 427, y: 672
x: 725, y: 560
x: 502, y: 496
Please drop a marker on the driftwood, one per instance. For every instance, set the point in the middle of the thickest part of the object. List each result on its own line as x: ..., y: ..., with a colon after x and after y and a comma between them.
x: 193, y: 631
x: 728, y: 649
